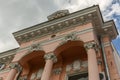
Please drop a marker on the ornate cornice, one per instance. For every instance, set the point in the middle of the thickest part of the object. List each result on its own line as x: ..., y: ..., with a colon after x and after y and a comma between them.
x: 72, y: 20
x: 91, y: 45
x: 16, y: 66
x: 6, y: 59
x: 50, y: 56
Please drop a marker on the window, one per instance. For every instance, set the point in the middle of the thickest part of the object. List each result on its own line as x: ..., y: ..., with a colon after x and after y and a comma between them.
x: 83, y: 76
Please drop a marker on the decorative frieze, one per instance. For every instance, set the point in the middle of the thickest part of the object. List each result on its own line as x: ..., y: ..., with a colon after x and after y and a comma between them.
x: 55, y: 27
x: 91, y: 45
x: 50, y: 56
x: 6, y: 59
x: 16, y: 66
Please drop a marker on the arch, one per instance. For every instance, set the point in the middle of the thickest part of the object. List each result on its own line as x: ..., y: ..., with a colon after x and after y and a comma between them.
x: 70, y: 51
x: 67, y: 45
x: 29, y: 55
x: 31, y: 59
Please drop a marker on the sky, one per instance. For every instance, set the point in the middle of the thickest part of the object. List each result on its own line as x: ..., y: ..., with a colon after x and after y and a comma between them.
x: 19, y: 14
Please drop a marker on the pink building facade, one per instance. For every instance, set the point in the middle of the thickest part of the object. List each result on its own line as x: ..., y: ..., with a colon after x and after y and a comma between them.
x: 69, y: 46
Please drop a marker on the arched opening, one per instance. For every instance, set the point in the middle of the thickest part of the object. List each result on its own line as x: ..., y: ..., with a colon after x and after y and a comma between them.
x: 32, y: 63
x: 71, y: 50
x: 72, y: 57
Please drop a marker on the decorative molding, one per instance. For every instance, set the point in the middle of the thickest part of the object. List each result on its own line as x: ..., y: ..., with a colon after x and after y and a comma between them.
x: 105, y: 44
x: 6, y: 70
x: 23, y: 78
x: 76, y: 65
x: 6, y: 59
x: 84, y: 64
x: 35, y: 47
x: 91, y: 45
x: 69, y: 37
x: 50, y: 56
x: 57, y: 71
x: 58, y: 14
x: 61, y: 37
x: 33, y: 76
x: 16, y: 66
x: 49, y: 27
x: 39, y: 73
x: 68, y: 67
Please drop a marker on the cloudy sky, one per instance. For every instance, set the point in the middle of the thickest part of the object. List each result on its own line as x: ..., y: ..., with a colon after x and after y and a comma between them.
x: 19, y: 14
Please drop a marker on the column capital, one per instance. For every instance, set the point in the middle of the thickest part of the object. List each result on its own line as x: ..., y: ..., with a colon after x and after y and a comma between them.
x: 50, y: 56
x: 16, y: 66
x: 91, y: 45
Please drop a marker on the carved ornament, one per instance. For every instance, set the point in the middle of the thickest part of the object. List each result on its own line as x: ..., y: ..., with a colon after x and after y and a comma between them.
x: 58, y: 14
x: 16, y: 66
x: 50, y: 56
x: 35, y: 47
x: 39, y: 73
x: 69, y: 37
x: 91, y: 45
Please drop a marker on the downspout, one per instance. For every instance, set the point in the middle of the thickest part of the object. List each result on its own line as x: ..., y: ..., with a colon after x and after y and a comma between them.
x: 105, y: 60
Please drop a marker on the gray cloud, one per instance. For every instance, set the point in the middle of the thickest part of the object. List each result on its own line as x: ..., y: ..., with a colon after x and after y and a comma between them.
x: 19, y: 14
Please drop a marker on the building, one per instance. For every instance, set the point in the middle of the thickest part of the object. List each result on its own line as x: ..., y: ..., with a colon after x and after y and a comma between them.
x: 69, y: 46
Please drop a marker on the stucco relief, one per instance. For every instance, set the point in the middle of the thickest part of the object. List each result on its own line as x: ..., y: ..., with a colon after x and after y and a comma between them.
x: 23, y: 78
x: 76, y: 65
x: 16, y: 66
x: 36, y: 75
x: 39, y: 74
x: 58, y: 14
x: 50, y: 56
x: 33, y: 76
x: 35, y: 47
x: 72, y: 37
x: 91, y: 45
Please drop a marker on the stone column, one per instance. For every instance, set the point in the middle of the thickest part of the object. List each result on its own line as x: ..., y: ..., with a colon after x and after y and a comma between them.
x: 92, y: 61
x: 50, y: 59
x: 15, y: 68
